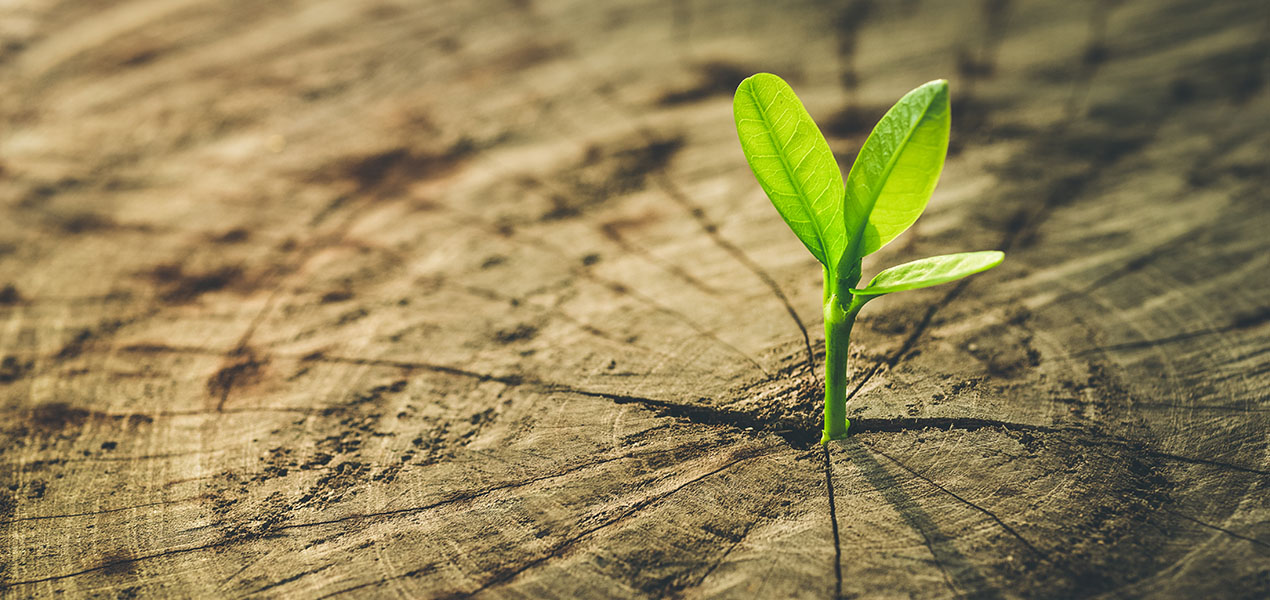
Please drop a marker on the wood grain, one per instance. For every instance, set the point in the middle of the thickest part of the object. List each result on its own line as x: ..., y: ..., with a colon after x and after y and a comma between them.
x: 479, y: 299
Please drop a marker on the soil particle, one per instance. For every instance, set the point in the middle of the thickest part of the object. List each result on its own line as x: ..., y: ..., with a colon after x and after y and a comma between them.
x: 342, y: 480
x: 318, y: 460
x: 36, y: 489
x: 518, y: 333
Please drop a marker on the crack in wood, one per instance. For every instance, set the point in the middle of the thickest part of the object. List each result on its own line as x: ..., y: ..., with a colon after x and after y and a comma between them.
x: 471, y: 495
x: 114, y: 564
x: 1218, y: 528
x: 712, y: 231
x: 234, y: 540
x: 612, y: 232
x: 672, y: 191
x: 556, y: 311
x: 716, y: 563
x: 1239, y: 324
x: 619, y: 289
x: 507, y: 575
x: 281, y: 582
x: 833, y: 519
x: 235, y: 367
x: 99, y: 512
x: 952, y: 564
x: 991, y: 515
x: 789, y: 429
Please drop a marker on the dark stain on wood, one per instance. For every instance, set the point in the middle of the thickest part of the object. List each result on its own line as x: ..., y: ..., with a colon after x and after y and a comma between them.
x: 605, y: 174
x: 178, y: 286
x: 57, y: 416
x: 87, y: 336
x: 521, y: 332
x: 388, y: 171
x: 13, y: 368
x: 853, y: 121
x: 244, y: 368
x: 9, y: 295
x: 336, y: 296
x: 714, y: 79
x: 233, y: 236
x: 1107, y: 424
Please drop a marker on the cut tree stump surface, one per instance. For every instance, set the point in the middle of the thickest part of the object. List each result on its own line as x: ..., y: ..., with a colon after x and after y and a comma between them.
x: 480, y: 299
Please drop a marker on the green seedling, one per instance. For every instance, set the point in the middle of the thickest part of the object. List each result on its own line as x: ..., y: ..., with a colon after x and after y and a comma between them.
x: 885, y: 191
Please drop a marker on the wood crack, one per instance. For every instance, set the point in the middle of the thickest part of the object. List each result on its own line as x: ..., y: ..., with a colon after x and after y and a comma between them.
x: 1218, y: 528
x: 614, y: 287
x: 789, y: 428
x: 98, y: 512
x: 466, y: 496
x: 991, y: 515
x: 116, y: 564
x: 740, y: 538
x: 672, y: 191
x: 355, y: 517
x: 712, y: 231
x: 833, y: 519
x: 911, y: 341
x: 508, y: 575
x: 562, y: 548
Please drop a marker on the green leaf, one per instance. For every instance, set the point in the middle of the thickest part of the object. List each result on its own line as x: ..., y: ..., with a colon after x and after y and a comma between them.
x: 792, y: 162
x: 896, y: 170
x: 930, y: 271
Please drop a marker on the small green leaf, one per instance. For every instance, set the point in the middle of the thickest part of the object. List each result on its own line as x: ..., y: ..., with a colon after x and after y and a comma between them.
x: 792, y: 162
x: 930, y: 271
x: 896, y: 170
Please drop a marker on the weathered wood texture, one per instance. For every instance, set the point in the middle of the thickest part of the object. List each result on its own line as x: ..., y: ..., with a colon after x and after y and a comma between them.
x: 479, y: 299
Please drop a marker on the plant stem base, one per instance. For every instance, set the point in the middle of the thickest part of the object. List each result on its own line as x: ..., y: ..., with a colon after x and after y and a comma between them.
x: 825, y: 438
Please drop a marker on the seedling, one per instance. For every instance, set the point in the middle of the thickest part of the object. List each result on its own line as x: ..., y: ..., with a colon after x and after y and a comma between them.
x: 885, y: 191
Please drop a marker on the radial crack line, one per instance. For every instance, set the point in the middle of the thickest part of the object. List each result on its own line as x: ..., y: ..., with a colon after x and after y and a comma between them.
x: 471, y: 220
x: 1031, y: 547
x: 507, y: 576
x: 1218, y: 528
x: 833, y: 519
x: 712, y: 231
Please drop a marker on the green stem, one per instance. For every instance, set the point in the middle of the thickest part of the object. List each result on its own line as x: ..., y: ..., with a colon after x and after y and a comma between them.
x: 839, y: 320
x: 829, y: 285
x: 838, y: 323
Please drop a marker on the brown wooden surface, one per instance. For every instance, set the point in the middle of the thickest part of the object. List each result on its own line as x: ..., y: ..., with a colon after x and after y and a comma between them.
x: 479, y: 299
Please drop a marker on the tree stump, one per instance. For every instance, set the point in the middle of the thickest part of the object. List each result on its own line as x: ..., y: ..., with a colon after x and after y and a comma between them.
x: 479, y: 299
